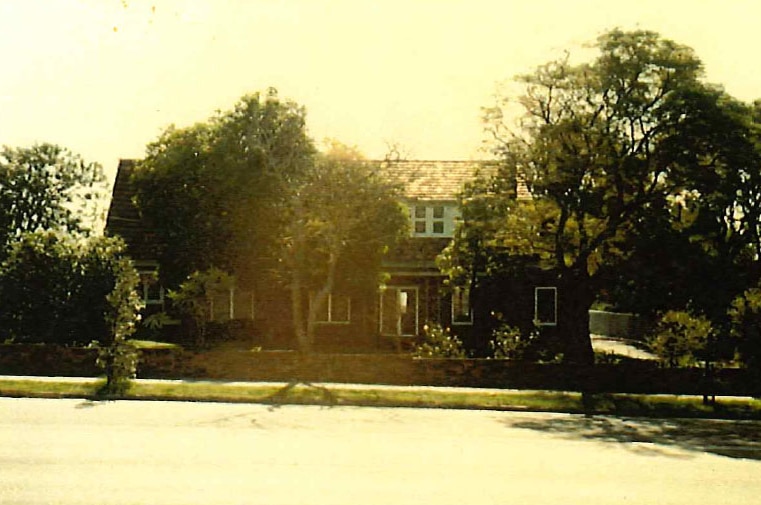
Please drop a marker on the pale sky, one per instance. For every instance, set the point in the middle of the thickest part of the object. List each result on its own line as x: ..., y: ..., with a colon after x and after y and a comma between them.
x: 105, y: 77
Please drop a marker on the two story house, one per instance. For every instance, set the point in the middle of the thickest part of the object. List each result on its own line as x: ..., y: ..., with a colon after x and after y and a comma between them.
x: 413, y: 295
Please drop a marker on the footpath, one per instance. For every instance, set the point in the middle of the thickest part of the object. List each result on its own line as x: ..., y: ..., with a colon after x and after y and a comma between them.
x: 375, y: 395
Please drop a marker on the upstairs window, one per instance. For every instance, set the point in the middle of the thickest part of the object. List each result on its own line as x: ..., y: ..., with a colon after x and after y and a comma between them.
x: 431, y: 221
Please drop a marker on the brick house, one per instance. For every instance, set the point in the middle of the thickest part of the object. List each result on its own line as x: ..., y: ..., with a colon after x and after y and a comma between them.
x: 414, y: 293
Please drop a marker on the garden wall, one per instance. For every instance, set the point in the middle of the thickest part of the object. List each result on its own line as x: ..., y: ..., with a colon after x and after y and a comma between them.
x: 392, y: 369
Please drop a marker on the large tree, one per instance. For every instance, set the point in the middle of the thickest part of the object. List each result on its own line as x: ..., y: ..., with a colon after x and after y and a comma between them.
x: 607, y: 149
x: 705, y: 251
x: 46, y: 187
x: 215, y: 192
x: 343, y: 219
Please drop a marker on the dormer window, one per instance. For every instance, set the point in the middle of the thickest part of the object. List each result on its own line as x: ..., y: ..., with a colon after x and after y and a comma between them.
x: 432, y: 220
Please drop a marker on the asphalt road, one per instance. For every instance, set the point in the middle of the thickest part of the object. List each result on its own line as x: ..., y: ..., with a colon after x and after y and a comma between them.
x: 129, y: 452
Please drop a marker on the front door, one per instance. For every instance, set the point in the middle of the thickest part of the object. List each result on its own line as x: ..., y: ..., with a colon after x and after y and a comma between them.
x: 399, y: 311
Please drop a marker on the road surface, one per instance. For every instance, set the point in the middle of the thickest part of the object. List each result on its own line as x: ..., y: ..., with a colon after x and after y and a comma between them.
x: 130, y: 452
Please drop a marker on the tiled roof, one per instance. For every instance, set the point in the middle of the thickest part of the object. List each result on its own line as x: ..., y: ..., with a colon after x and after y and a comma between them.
x: 124, y: 219
x: 432, y: 180
x: 419, y: 180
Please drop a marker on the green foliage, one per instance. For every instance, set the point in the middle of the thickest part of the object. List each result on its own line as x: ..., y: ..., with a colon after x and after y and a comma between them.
x: 119, y: 363
x: 55, y: 289
x: 681, y: 338
x: 46, y: 187
x: 745, y: 317
x: 612, y: 150
x: 215, y: 192
x: 508, y: 343
x: 118, y: 357
x: 343, y: 219
x: 194, y: 299
x: 439, y: 342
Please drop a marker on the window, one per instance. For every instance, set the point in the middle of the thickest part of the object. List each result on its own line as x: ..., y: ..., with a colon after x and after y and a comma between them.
x: 244, y: 304
x: 151, y: 291
x: 420, y: 222
x: 438, y: 219
x: 336, y: 309
x: 221, y: 306
x: 546, y: 306
x: 461, y: 310
x: 431, y: 221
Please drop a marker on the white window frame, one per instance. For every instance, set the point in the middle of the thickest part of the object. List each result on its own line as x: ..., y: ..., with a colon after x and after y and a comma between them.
x: 145, y: 288
x: 554, y: 321
x: 456, y: 292
x: 448, y: 214
x: 329, y: 303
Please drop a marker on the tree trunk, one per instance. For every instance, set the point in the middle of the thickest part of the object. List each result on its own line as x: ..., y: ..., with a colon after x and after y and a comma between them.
x: 320, y: 298
x: 297, y: 310
x: 297, y: 258
x: 574, y: 302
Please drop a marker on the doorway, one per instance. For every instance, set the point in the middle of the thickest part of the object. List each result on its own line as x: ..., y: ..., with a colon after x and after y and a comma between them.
x: 399, y: 311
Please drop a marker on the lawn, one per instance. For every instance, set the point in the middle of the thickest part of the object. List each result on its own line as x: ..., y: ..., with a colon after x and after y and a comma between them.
x: 379, y: 396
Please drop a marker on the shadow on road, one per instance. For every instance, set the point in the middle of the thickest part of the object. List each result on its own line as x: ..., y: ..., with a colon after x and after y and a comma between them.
x: 734, y: 439
x: 88, y: 404
x: 289, y: 394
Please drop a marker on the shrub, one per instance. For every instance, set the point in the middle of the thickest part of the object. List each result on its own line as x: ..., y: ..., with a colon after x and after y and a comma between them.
x: 438, y: 342
x: 193, y: 299
x: 54, y: 289
x: 745, y: 317
x: 680, y: 338
x: 508, y: 343
x: 119, y: 363
x: 118, y: 358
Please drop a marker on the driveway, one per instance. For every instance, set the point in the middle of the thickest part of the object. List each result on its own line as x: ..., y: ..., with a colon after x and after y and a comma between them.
x: 621, y: 347
x: 125, y: 452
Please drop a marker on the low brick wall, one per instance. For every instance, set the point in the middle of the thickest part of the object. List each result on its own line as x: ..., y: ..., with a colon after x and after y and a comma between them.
x: 61, y: 361
x: 48, y: 360
x: 395, y: 369
x: 392, y: 369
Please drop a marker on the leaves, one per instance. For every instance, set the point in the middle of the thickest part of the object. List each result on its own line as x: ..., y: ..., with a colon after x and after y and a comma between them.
x: 56, y: 289
x: 215, y: 192
x: 680, y: 338
x: 343, y: 219
x: 619, y: 153
x: 46, y: 187
x: 439, y: 343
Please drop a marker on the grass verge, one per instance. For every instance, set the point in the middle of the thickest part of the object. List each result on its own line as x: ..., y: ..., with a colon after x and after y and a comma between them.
x: 335, y: 395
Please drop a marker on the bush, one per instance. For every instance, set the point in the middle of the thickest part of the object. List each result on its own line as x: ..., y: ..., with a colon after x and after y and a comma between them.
x: 54, y: 289
x: 745, y: 318
x: 438, y: 342
x: 193, y: 300
x: 680, y: 338
x: 508, y: 343
x: 119, y: 362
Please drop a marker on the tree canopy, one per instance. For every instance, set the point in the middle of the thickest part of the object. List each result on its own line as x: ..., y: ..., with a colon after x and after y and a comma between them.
x: 631, y: 143
x: 246, y: 192
x: 46, y: 187
x: 214, y: 192
x: 342, y: 220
